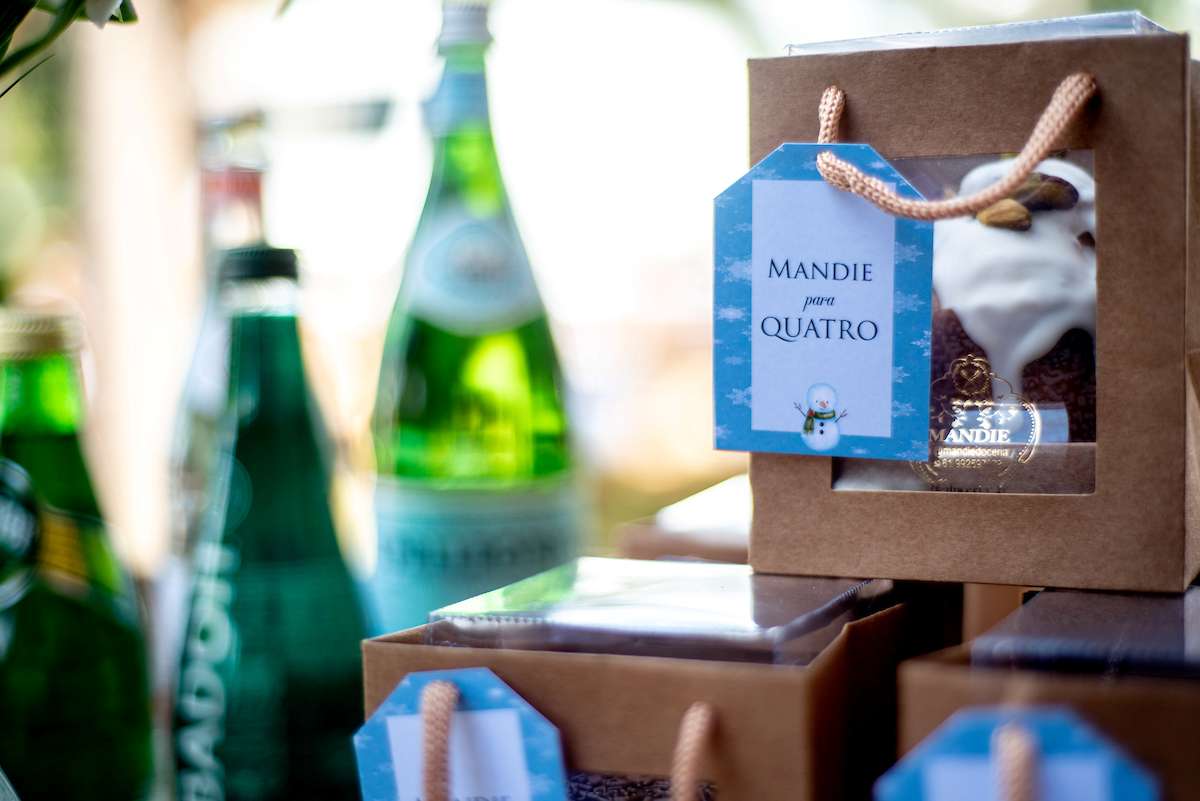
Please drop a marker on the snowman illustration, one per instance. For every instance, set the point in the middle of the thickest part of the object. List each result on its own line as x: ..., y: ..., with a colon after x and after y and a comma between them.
x: 820, y: 431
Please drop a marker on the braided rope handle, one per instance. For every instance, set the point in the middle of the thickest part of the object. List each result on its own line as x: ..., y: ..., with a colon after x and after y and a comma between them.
x: 694, y: 732
x: 1016, y: 762
x: 1070, y: 96
x: 1013, y: 747
x: 439, y: 698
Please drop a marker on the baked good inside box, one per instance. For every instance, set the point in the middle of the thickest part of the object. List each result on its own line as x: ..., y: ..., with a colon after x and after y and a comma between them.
x: 1013, y: 338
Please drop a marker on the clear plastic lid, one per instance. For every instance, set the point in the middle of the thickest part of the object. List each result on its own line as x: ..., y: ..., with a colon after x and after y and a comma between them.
x: 691, y: 610
x: 1117, y: 23
x: 1098, y: 632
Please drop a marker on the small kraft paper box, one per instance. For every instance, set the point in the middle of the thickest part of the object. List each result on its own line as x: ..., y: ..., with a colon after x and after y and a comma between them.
x: 792, y: 733
x: 1070, y: 306
x: 1126, y: 664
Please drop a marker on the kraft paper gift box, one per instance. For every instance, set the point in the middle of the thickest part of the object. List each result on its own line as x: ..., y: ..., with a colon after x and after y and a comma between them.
x: 1119, y: 512
x: 1154, y: 715
x: 818, y: 731
x: 788, y: 733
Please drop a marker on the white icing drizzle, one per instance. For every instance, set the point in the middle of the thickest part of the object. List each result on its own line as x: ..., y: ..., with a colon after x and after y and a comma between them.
x: 1017, y: 292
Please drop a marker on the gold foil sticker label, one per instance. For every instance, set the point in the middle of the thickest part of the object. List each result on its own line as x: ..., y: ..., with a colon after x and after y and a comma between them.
x: 61, y: 551
x: 980, y: 430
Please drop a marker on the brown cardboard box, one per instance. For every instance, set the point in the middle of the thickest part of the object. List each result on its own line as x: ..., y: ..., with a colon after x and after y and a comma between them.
x: 985, y: 605
x: 1140, y: 528
x: 789, y: 733
x: 1156, y: 720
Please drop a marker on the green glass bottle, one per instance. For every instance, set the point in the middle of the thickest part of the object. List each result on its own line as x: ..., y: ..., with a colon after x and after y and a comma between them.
x: 474, y: 470
x: 74, y: 694
x: 270, y: 688
x: 231, y: 187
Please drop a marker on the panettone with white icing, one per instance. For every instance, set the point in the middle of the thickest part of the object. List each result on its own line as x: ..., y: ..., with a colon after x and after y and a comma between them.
x: 1016, y: 284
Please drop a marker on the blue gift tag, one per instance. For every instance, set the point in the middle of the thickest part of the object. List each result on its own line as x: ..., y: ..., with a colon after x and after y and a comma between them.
x: 1071, y: 761
x: 821, y: 318
x: 500, y: 746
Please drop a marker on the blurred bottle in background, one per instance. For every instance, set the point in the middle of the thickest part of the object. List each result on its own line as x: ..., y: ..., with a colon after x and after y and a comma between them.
x: 231, y: 177
x: 7, y: 793
x: 74, y: 694
x: 269, y: 690
x: 475, y: 485
x: 231, y: 189
x: 232, y: 162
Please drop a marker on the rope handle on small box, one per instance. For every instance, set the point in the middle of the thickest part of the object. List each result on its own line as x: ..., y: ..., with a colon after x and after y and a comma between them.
x: 1012, y: 746
x: 694, y: 732
x: 1016, y: 763
x: 439, y: 698
x: 1070, y: 96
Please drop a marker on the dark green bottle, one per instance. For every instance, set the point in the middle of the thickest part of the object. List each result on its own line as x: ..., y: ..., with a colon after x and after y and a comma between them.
x: 269, y: 692
x: 74, y: 695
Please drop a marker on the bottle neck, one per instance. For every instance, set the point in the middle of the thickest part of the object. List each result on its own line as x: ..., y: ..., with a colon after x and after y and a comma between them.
x: 41, y: 412
x: 40, y: 396
x: 466, y: 170
x: 267, y: 384
x: 231, y: 200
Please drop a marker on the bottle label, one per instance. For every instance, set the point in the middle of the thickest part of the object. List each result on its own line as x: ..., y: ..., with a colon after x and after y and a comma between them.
x: 271, y: 649
x: 203, y: 691
x: 437, y: 547
x: 470, y: 276
x: 62, y: 551
x: 75, y: 558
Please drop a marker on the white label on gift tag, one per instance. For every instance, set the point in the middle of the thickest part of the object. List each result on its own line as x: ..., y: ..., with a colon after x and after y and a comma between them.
x: 1062, y: 779
x: 500, y: 747
x: 822, y: 296
x: 487, y: 758
x: 821, y: 314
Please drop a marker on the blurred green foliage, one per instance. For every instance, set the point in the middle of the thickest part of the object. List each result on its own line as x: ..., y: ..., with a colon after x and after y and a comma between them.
x: 35, y: 166
x: 60, y: 15
x: 35, y: 180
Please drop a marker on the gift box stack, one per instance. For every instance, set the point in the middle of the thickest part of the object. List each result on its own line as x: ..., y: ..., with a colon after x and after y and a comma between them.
x: 1062, y: 338
x: 1105, y: 506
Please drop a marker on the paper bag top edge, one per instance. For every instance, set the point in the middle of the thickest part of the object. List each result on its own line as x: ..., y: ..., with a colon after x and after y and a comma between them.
x: 1116, y: 23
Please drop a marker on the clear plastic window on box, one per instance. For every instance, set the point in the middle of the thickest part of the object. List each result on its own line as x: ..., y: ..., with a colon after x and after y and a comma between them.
x: 1013, y: 339
x: 1106, y: 633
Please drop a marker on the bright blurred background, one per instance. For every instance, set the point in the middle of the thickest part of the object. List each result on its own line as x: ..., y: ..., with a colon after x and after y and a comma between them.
x: 616, y: 121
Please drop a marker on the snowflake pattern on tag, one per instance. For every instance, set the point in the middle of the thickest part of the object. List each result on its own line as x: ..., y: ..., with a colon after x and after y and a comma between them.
x: 849, y: 376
